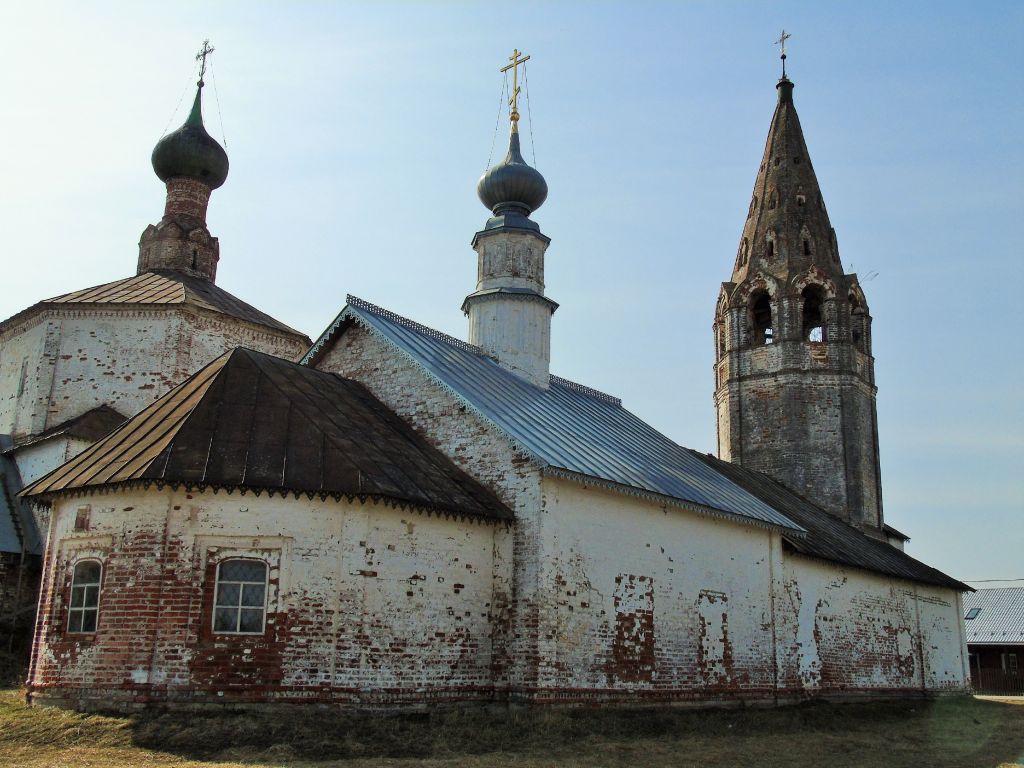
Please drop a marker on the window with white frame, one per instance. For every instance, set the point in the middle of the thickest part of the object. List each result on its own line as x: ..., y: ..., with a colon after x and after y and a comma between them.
x: 241, y: 597
x: 85, y: 596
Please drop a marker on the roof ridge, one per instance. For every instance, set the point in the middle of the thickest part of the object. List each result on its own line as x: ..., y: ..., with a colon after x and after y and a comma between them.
x: 387, y: 314
x: 585, y: 390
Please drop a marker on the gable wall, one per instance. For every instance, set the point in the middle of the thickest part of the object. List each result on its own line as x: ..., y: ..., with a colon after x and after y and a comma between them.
x: 367, y: 603
x: 488, y: 456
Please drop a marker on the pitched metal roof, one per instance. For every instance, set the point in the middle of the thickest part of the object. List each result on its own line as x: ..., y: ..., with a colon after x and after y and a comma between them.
x: 1000, y: 618
x: 569, y: 429
x: 166, y: 286
x: 250, y: 420
x: 827, y: 536
x: 91, y: 425
x: 17, y: 525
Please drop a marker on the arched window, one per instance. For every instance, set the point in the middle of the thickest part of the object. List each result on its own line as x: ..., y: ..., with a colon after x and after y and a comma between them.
x: 769, y: 250
x: 773, y: 201
x: 85, y: 596
x: 240, y: 605
x: 814, y: 314
x: 762, y: 331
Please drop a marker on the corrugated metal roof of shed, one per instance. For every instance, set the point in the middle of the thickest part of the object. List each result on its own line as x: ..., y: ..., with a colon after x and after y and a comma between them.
x: 567, y: 427
x: 1000, y: 619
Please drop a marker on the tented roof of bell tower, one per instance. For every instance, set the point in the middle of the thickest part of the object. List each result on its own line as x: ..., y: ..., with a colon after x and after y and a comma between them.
x: 787, y: 228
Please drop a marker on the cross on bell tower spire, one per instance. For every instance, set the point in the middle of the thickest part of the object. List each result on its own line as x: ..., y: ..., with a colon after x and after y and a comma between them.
x: 781, y: 42
x: 516, y: 58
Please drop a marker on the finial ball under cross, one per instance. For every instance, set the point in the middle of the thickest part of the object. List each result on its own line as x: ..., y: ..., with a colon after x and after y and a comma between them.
x: 205, y: 51
x: 781, y: 42
x: 516, y: 58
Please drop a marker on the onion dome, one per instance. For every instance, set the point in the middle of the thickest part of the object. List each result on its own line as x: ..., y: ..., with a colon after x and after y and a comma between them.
x: 191, y: 152
x: 512, y: 185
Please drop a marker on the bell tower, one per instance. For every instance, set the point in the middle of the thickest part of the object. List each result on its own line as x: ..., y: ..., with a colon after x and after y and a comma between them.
x: 794, y: 375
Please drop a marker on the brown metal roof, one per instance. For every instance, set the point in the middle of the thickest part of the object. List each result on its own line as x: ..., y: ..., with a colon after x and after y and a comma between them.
x: 828, y: 537
x: 250, y: 420
x: 165, y: 286
x: 91, y: 426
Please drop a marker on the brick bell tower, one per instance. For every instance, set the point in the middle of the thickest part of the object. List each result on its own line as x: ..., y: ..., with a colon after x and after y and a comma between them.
x: 794, y: 376
x: 192, y: 164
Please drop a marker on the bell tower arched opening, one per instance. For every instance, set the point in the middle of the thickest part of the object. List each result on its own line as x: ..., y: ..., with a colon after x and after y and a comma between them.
x: 761, y: 321
x: 813, y: 313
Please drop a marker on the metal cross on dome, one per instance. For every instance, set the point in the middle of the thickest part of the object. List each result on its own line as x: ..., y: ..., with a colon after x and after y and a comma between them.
x: 781, y: 42
x: 516, y: 58
x: 205, y: 51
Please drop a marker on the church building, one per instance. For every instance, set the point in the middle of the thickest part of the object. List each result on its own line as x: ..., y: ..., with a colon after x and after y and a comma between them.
x: 403, y: 518
x: 74, y: 367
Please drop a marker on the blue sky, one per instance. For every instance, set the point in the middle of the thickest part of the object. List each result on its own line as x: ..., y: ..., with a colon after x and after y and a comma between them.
x: 356, y: 133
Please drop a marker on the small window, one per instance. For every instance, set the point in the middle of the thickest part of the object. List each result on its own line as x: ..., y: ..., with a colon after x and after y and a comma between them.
x: 241, y: 599
x: 807, y: 247
x: 770, y: 251
x: 85, y: 596
x: 972, y: 614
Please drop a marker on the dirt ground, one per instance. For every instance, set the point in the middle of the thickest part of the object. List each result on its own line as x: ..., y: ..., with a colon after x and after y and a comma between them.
x: 943, y: 733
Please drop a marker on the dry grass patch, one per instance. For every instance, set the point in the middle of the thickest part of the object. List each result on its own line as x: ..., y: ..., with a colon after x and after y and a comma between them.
x: 947, y: 733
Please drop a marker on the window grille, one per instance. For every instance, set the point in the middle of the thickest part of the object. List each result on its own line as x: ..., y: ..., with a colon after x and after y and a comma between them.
x: 85, y: 596
x: 241, y: 597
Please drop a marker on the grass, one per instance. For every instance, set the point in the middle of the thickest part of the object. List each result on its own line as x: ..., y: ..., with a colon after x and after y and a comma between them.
x: 946, y: 733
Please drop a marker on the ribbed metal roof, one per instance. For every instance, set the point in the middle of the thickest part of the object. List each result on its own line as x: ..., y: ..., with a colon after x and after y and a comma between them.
x: 166, y: 286
x: 570, y: 429
x: 251, y: 420
x: 1000, y: 619
x: 830, y: 538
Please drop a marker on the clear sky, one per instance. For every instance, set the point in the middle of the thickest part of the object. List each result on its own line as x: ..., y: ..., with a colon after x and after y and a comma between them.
x: 356, y: 133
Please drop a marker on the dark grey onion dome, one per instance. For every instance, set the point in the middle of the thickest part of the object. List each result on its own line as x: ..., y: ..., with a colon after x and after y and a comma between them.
x: 191, y: 152
x: 512, y: 185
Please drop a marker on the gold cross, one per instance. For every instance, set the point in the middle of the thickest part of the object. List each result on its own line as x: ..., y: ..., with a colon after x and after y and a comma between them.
x: 205, y: 51
x: 516, y: 58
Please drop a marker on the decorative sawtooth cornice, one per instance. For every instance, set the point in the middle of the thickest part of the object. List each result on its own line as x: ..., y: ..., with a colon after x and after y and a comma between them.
x: 585, y: 390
